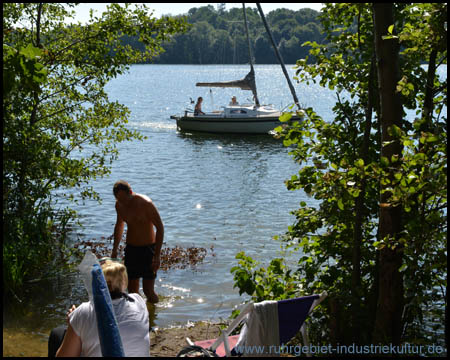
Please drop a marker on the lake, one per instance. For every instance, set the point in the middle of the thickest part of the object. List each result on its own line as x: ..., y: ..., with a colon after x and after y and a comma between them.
x: 222, y: 191
x: 211, y: 190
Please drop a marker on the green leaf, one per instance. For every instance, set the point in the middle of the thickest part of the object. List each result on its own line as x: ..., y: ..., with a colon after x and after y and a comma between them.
x: 31, y: 51
x: 395, y: 131
x: 384, y: 161
x: 285, y: 117
x: 403, y: 268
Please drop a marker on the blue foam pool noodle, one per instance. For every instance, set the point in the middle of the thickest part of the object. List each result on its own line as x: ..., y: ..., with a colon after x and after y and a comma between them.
x: 108, y: 329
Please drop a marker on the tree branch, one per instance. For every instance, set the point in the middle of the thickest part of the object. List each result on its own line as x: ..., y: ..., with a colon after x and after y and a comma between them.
x: 38, y: 26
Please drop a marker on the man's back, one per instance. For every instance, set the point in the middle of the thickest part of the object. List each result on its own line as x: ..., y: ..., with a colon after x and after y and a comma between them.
x: 137, y: 213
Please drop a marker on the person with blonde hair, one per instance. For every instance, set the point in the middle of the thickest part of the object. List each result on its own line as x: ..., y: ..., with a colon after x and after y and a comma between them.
x: 116, y: 276
x: 81, y: 336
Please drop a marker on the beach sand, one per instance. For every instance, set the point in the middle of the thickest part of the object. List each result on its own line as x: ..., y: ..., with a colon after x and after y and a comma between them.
x: 168, y: 342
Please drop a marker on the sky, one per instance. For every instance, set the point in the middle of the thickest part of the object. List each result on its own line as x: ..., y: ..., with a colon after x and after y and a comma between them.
x: 82, y: 10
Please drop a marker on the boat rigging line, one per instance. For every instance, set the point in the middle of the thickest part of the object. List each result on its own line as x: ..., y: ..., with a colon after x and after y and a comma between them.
x: 252, y: 71
x: 277, y: 53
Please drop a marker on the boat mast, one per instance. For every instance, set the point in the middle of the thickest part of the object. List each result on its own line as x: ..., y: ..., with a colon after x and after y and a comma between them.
x: 252, y: 71
x: 277, y: 53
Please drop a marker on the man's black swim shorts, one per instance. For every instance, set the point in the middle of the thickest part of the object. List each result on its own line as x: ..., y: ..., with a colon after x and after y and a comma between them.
x: 138, y: 261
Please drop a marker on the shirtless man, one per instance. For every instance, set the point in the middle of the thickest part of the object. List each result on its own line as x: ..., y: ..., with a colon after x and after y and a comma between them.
x: 143, y: 246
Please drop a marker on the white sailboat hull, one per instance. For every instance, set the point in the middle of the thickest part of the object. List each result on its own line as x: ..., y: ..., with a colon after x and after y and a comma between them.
x: 244, y: 119
x: 230, y: 126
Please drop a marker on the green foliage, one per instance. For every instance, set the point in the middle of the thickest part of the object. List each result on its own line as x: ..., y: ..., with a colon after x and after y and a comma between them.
x: 59, y: 128
x: 341, y: 168
x: 274, y: 283
x: 218, y: 36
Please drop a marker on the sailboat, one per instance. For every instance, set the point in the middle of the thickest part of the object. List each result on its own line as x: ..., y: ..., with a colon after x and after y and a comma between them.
x: 238, y: 118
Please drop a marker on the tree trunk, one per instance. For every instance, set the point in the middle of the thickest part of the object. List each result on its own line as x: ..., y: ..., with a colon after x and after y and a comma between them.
x: 429, y: 93
x: 388, y: 324
x: 357, y: 321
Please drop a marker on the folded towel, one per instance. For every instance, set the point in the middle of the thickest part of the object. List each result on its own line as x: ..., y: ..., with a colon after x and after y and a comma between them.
x: 260, y: 334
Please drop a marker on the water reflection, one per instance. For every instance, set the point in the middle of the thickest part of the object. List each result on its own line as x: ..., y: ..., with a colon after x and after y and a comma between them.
x: 44, y: 303
x: 42, y: 306
x: 243, y: 162
x: 249, y: 142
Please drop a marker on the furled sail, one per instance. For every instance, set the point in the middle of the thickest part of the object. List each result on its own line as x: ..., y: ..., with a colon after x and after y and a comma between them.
x: 247, y: 83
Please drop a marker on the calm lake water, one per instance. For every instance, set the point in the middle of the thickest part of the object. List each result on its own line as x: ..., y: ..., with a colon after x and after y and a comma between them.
x: 221, y: 191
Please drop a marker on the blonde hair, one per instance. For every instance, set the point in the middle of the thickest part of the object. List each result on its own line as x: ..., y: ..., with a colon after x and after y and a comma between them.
x: 115, y: 275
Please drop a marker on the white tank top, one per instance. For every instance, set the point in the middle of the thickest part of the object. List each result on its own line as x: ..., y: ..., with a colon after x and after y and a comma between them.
x: 133, y: 321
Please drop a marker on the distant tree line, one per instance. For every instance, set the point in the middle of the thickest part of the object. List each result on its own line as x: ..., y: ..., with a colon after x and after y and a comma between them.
x: 217, y: 36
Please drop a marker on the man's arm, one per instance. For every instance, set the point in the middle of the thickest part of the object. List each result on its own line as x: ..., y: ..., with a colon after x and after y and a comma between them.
x: 159, y: 236
x: 118, y: 232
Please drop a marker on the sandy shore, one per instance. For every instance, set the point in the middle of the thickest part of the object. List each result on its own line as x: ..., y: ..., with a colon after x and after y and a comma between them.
x: 168, y: 342
x: 163, y: 342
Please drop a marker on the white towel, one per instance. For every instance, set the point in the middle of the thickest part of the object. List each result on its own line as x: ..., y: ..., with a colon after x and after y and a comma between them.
x: 261, y: 332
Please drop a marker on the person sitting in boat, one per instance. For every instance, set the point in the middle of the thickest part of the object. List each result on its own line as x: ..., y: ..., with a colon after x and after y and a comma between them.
x: 198, y: 107
x: 234, y: 101
x: 81, y: 336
